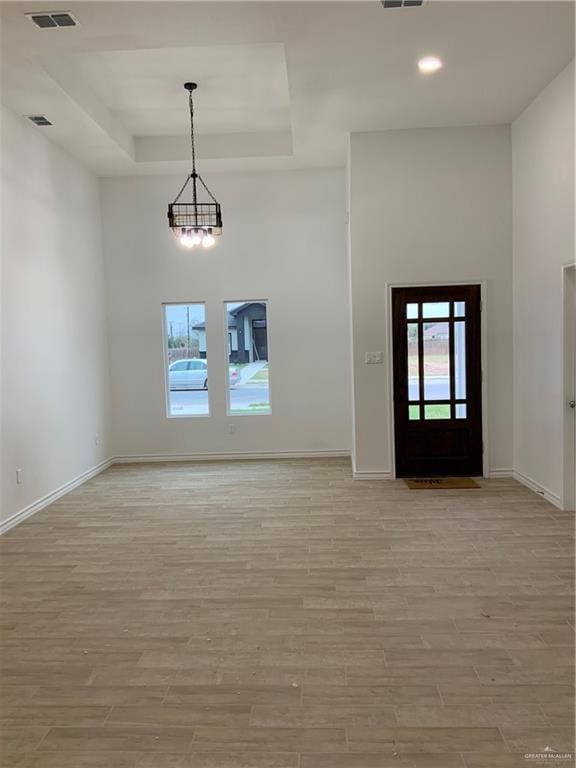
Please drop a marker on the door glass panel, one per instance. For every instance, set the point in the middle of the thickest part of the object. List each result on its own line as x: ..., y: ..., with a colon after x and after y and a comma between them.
x: 437, y: 411
x: 459, y: 308
x: 460, y: 359
x: 436, y: 361
x: 413, y: 412
x: 436, y: 309
x: 413, y: 372
x: 412, y: 311
x: 460, y: 410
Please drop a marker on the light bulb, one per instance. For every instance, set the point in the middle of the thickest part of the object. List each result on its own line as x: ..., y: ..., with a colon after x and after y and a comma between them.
x: 208, y: 241
x: 196, y: 238
x: 186, y: 241
x: 429, y: 64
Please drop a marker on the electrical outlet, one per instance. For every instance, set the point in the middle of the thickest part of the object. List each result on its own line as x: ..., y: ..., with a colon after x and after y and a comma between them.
x: 374, y: 358
x: 231, y: 429
x: 19, y: 476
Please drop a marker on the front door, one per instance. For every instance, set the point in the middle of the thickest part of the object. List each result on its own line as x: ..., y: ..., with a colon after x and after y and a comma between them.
x: 259, y: 339
x: 437, y: 380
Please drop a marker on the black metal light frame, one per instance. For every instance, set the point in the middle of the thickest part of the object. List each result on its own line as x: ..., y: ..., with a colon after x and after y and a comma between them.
x: 194, y: 217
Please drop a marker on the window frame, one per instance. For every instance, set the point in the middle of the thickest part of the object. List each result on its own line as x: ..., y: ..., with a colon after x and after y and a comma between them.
x: 229, y: 412
x: 166, y: 365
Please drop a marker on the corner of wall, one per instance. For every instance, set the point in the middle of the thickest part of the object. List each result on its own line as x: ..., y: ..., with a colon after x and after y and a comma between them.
x: 542, y: 244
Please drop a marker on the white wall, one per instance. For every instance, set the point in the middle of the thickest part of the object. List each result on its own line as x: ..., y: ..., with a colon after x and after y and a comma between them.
x: 429, y: 206
x: 54, y: 357
x: 284, y: 240
x: 543, y: 213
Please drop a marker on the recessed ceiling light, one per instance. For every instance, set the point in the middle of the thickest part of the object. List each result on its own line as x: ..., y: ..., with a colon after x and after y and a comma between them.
x: 429, y: 64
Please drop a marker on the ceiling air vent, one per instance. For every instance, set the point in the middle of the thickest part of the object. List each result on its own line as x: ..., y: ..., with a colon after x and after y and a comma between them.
x: 52, y: 19
x: 401, y: 3
x: 39, y: 120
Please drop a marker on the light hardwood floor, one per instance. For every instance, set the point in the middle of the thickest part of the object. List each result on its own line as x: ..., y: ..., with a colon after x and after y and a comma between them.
x: 280, y: 615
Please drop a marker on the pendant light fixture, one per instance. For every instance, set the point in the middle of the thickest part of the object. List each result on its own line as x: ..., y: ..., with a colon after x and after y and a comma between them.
x: 195, y: 223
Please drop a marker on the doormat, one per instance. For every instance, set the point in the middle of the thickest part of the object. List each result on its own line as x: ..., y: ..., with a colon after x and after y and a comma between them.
x: 441, y: 483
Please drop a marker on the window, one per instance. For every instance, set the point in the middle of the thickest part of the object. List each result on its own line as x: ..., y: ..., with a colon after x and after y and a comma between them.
x: 248, y: 383
x: 436, y: 357
x: 186, y: 363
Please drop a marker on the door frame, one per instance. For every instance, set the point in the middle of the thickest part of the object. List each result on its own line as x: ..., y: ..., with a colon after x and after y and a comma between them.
x: 483, y: 365
x: 568, y: 387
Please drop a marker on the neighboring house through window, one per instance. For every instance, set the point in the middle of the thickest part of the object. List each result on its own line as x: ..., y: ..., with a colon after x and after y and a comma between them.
x: 247, y: 332
x: 248, y: 369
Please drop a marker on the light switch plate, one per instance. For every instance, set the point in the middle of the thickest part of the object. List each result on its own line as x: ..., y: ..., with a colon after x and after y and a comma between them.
x: 374, y: 358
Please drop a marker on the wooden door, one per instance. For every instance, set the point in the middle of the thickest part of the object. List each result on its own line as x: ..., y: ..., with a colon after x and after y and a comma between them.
x: 437, y: 380
x: 260, y: 339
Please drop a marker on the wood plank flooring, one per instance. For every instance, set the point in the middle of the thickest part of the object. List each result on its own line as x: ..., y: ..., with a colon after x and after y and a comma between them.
x: 280, y: 615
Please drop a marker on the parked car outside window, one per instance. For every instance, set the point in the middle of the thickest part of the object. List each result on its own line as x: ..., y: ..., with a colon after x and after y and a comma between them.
x: 193, y: 374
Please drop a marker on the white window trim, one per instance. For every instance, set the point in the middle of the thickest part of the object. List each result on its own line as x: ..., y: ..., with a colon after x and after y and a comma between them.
x: 229, y: 412
x: 169, y: 415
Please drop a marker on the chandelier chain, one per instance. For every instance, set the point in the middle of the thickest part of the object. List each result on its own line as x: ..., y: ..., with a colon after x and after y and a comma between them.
x: 191, y: 103
x: 206, y: 188
x: 179, y: 195
x: 194, y: 173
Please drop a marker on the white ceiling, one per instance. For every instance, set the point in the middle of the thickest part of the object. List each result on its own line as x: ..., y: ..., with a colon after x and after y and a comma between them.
x: 244, y: 87
x: 280, y: 84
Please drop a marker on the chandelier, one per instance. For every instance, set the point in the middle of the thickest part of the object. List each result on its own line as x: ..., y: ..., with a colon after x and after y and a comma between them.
x: 195, y: 222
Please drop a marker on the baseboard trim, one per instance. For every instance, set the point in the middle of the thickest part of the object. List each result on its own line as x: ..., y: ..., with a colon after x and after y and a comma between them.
x: 154, y: 458
x: 553, y: 498
x: 367, y: 475
x: 364, y: 475
x: 49, y: 498
x: 495, y: 473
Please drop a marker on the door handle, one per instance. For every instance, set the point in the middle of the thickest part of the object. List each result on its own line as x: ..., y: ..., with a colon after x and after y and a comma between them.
x: 572, y: 403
